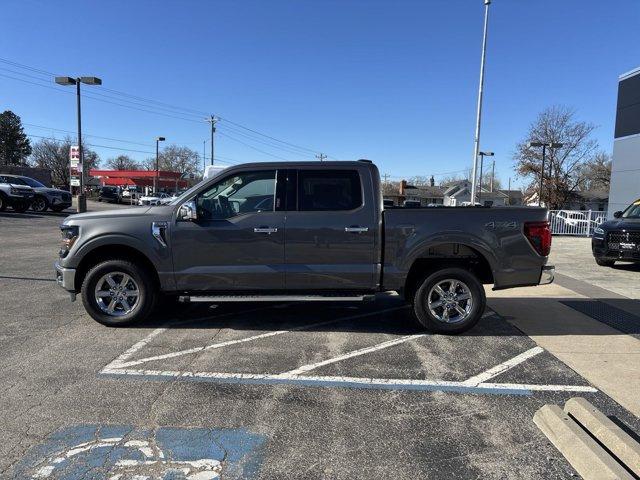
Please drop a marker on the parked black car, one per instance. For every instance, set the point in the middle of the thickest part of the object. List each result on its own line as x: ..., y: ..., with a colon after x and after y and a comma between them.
x: 110, y: 194
x: 618, y: 239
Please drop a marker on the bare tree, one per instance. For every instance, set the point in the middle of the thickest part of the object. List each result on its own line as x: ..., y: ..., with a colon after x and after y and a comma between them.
x: 54, y: 155
x: 122, y: 162
x: 596, y: 173
x: 176, y: 159
x: 564, y: 165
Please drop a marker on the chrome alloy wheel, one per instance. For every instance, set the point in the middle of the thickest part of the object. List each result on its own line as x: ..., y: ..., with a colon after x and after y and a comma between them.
x: 116, y: 294
x: 450, y: 301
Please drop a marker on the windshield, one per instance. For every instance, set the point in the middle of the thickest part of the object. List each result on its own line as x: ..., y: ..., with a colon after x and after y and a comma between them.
x: 186, y: 194
x: 633, y: 210
x: 31, y: 182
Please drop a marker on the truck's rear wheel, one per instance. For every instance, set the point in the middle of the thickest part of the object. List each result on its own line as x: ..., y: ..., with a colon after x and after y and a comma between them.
x: 118, y: 292
x: 449, y: 301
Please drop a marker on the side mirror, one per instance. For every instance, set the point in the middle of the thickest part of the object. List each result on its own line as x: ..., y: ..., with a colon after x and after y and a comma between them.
x: 617, y: 214
x: 188, y: 211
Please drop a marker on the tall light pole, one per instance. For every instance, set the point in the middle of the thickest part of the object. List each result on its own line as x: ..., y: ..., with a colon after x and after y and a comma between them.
x: 476, y: 143
x: 212, y: 120
x: 82, y: 199
x: 482, y: 155
x: 544, y: 154
x: 155, y: 177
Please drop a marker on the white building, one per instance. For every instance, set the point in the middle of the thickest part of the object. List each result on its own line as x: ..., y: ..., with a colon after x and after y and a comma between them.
x: 625, y: 170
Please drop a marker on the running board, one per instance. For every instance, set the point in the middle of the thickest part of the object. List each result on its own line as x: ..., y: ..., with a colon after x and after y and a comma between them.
x: 276, y: 298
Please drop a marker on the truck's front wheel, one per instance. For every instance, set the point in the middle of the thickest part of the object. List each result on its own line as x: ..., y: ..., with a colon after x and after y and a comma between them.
x: 449, y: 301
x: 118, y: 292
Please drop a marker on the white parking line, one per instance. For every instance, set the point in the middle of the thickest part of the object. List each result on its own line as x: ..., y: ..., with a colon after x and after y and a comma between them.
x: 355, y: 353
x: 350, y: 382
x: 120, y: 361
x: 503, y: 367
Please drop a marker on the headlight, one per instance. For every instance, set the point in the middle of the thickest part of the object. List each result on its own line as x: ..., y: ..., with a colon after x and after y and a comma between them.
x: 69, y: 237
x: 599, y: 231
x: 15, y: 191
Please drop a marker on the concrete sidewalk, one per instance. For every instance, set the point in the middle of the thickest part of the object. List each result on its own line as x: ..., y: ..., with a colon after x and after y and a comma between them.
x: 604, y: 356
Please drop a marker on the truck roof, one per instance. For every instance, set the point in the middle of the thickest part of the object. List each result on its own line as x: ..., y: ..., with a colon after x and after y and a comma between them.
x: 309, y: 163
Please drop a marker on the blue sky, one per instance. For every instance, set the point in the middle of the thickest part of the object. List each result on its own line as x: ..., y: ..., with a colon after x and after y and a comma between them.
x: 392, y: 81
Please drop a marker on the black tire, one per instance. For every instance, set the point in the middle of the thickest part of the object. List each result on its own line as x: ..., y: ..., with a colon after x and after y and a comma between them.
x: 20, y: 207
x: 58, y: 209
x: 605, y: 263
x: 3, y: 203
x: 39, y: 204
x: 143, y: 280
x: 468, y: 285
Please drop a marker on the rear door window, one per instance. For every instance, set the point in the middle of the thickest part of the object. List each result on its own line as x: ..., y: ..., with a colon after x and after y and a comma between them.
x: 334, y: 190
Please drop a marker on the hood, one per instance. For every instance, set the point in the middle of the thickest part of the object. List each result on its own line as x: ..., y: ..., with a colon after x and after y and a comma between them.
x: 21, y: 187
x: 50, y: 190
x: 622, y: 224
x: 115, y: 213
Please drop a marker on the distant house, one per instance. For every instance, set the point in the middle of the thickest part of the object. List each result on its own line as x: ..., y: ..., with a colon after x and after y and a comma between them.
x: 514, y: 197
x: 597, y: 200
x: 422, y: 195
x: 588, y: 200
x: 459, y: 193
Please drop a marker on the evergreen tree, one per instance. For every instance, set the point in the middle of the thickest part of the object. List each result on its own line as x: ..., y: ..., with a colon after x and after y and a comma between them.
x: 14, y: 143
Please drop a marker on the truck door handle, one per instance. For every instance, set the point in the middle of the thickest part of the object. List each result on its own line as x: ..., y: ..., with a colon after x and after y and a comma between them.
x: 356, y: 229
x: 267, y: 230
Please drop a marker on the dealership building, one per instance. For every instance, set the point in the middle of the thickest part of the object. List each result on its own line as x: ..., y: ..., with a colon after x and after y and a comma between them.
x: 625, y: 169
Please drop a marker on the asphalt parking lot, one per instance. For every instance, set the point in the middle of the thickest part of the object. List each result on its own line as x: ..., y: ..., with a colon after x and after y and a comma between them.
x: 264, y: 390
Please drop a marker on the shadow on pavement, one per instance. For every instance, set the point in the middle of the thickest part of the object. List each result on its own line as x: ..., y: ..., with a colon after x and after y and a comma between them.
x: 390, y: 317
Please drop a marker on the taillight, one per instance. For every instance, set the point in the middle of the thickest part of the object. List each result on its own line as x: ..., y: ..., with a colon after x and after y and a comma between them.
x: 539, y: 235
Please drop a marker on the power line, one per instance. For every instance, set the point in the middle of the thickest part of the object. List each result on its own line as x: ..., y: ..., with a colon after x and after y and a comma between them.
x: 254, y: 148
x: 157, y: 104
x: 95, y: 145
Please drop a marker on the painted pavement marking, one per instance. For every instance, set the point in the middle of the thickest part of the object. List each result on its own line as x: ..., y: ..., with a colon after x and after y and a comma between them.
x: 120, y: 361
x: 476, y: 384
x: 355, y: 353
x: 503, y: 367
x: 124, y: 453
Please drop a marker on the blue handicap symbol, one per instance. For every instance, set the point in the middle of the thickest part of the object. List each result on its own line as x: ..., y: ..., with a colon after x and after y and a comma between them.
x: 93, y: 452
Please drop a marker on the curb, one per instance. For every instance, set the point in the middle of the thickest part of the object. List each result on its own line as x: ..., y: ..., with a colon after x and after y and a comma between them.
x: 616, y: 440
x: 584, y: 454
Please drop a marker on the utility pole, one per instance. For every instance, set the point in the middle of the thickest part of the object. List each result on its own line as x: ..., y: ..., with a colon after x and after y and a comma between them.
x: 212, y: 120
x: 321, y: 157
x: 476, y: 145
x: 509, y: 193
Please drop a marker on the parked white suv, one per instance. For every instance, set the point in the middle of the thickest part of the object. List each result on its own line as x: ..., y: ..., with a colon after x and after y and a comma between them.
x: 14, y: 194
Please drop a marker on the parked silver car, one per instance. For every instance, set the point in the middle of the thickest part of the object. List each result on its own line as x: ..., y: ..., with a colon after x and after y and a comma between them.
x: 45, y: 197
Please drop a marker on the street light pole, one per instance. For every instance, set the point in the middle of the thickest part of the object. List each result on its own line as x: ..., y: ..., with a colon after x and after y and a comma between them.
x: 81, y: 198
x: 476, y: 143
x: 155, y: 177
x: 544, y: 157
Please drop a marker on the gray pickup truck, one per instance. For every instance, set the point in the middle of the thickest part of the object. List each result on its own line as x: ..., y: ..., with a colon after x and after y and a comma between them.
x: 300, y: 231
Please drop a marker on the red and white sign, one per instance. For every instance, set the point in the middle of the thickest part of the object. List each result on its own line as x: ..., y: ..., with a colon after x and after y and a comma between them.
x: 74, y: 155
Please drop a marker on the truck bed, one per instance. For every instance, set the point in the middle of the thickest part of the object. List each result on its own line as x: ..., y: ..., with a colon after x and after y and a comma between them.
x: 493, y: 234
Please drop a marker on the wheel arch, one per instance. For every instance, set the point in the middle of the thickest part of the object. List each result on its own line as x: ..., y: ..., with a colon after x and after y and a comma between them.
x: 102, y: 253
x: 446, y: 255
